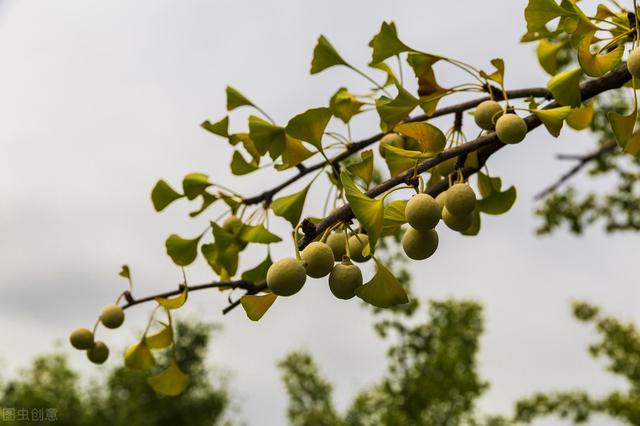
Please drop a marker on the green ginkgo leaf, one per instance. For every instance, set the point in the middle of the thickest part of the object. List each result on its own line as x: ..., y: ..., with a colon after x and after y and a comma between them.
x: 391, y: 77
x: 325, y: 56
x: 597, y: 65
x: 220, y: 128
x: 256, y: 306
x: 182, y: 251
x: 195, y: 184
x: 240, y: 166
x: 125, y: 272
x: 267, y: 137
x: 139, y: 357
x: 236, y: 99
x: 207, y: 200
x: 258, y: 273
x: 393, y: 111
x: 498, y: 74
x: 548, y: 55
x: 553, y: 118
x: 170, y: 382
x: 161, y: 339
x: 293, y: 154
x: 386, y: 43
x: 474, y: 228
x: 222, y: 259
x: 623, y: 125
x: 309, y: 126
x: 565, y: 87
x: 494, y: 201
x: 398, y: 160
x: 383, y: 290
x: 344, y: 105
x: 393, y: 217
x: 163, y: 194
x: 174, y: 302
x: 257, y: 234
x: 363, y: 168
x: 368, y: 211
x: 539, y: 12
x: 430, y: 137
x: 290, y: 207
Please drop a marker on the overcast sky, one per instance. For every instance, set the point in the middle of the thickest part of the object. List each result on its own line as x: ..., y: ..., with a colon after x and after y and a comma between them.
x: 99, y: 99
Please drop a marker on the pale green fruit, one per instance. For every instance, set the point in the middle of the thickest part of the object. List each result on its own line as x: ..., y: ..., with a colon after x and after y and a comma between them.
x: 633, y: 63
x: 318, y: 259
x: 486, y: 114
x: 457, y: 223
x: 338, y: 243
x: 422, y: 212
x: 511, y: 128
x: 447, y: 167
x: 345, y: 279
x: 99, y: 353
x: 357, y: 245
x: 392, y: 139
x: 81, y: 338
x: 440, y: 199
x: 286, y: 276
x: 112, y: 316
x: 232, y: 224
x: 461, y: 200
x: 419, y: 245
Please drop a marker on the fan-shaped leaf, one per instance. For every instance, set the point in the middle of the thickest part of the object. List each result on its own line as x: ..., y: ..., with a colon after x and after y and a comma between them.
x: 325, y: 56
x: 393, y: 111
x: 368, y: 211
x: 161, y: 339
x: 430, y: 137
x: 266, y: 136
x: 565, y: 87
x: 581, y: 118
x: 495, y: 201
x: 383, y: 290
x: 240, y: 166
x: 163, y: 194
x: 236, y: 99
x: 195, y: 184
x: 256, y: 306
x: 258, y: 234
x: 139, y: 357
x: 258, y: 273
x: 290, y: 207
x: 386, y: 43
x: 597, y: 65
x: 220, y: 128
x: 182, y: 251
x: 170, y: 382
x: 174, y: 302
x: 344, y: 105
x: 553, y: 118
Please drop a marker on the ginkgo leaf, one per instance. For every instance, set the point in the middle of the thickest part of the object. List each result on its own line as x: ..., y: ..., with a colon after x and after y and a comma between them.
x: 222, y: 259
x: 267, y: 137
x: 581, y: 118
x: 494, y: 201
x: 309, y: 126
x: 256, y: 306
x: 293, y: 154
x: 539, y: 12
x: 597, y: 65
x: 632, y: 147
x: 344, y: 105
x: 623, y: 125
x: 368, y: 211
x: 161, y: 339
x: 207, y: 200
x: 548, y: 55
x: 383, y: 290
x: 325, y: 56
x: 236, y: 99
x: 386, y: 43
x: 182, y: 251
x: 125, y: 272
x: 393, y: 111
x: 170, y: 382
x: 139, y: 357
x: 565, y: 87
x: 391, y: 77
x: 553, y: 118
x: 258, y: 234
x: 398, y: 160
x: 162, y: 195
x: 195, y: 184
x: 430, y: 137
x: 259, y: 272
x: 393, y: 217
x: 363, y: 168
x: 498, y: 74
x: 240, y: 166
x: 474, y: 228
x: 290, y: 207
x: 220, y: 128
x: 174, y: 302
x: 429, y: 90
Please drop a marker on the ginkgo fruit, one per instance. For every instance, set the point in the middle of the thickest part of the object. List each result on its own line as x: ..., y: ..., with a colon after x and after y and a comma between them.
x: 486, y: 114
x: 390, y: 139
x: 457, y: 223
x: 98, y: 353
x: 286, y: 276
x: 318, y: 259
x: 461, y: 200
x: 419, y: 245
x: 633, y: 63
x: 338, y: 243
x: 422, y: 212
x: 112, y: 316
x: 511, y: 128
x: 345, y: 279
x: 81, y: 338
x: 231, y: 224
x: 440, y: 199
x: 357, y: 243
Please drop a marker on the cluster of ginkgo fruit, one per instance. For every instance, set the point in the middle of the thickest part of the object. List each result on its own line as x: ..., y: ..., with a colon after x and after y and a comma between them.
x: 112, y: 316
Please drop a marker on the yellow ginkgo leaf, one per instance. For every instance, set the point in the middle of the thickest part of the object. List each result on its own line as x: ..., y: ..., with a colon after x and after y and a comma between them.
x: 139, y: 357
x: 581, y: 118
x: 170, y: 382
x: 161, y: 339
x: 597, y: 65
x: 430, y: 137
x: 257, y: 306
x: 176, y: 302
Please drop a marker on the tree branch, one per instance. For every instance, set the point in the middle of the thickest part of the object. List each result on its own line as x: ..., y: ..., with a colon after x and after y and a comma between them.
x: 582, y: 162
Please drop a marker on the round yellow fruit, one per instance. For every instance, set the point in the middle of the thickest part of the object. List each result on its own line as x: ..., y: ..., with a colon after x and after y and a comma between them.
x: 511, y: 128
x: 81, y: 338
x: 440, y: 199
x: 232, y: 224
x: 99, y: 353
x: 422, y: 212
x: 344, y: 280
x: 457, y: 223
x: 357, y: 245
x: 633, y: 63
x: 286, y: 276
x: 318, y: 259
x: 461, y: 200
x: 112, y: 316
x: 419, y: 245
x: 392, y: 139
x: 338, y: 243
x: 486, y: 114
